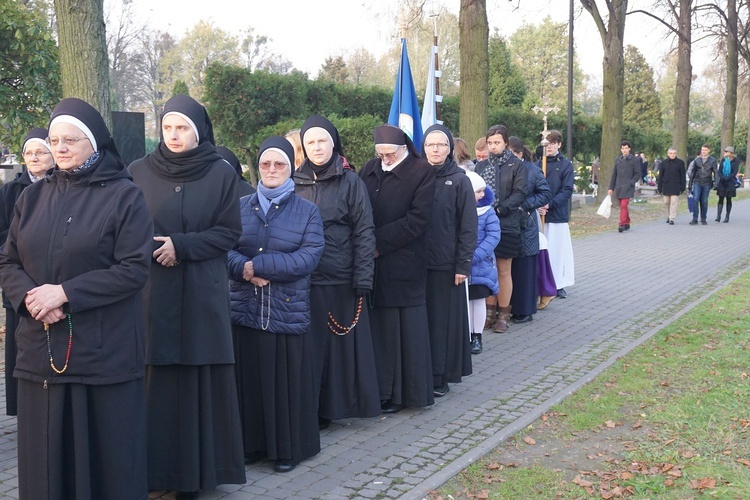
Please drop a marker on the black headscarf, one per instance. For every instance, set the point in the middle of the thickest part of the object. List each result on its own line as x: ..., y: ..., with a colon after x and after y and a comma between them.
x: 338, y: 150
x: 231, y: 158
x: 388, y: 134
x: 278, y: 142
x: 188, y: 165
x: 439, y: 128
x: 37, y: 133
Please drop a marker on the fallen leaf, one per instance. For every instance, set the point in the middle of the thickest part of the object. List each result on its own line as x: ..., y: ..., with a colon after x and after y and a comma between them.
x: 637, y: 424
x: 669, y: 441
x: 706, y: 483
x: 626, y: 476
x: 665, y: 384
x: 726, y: 453
x: 668, y: 483
x: 675, y: 473
x: 545, y: 417
x: 667, y: 467
x: 744, y: 462
x: 582, y: 482
x: 688, y: 454
x: 494, y: 466
x: 529, y: 440
x: 610, y: 424
x: 744, y: 423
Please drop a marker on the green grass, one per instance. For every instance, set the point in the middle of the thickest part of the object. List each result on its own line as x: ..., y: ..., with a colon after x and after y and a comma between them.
x: 681, y: 406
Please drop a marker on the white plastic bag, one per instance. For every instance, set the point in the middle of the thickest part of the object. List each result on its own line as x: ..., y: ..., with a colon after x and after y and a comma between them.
x: 605, y: 209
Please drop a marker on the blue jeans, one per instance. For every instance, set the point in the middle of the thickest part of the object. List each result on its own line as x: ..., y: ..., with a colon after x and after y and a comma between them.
x: 700, y: 199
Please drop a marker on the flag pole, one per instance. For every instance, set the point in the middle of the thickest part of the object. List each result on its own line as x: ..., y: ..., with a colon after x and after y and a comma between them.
x: 437, y: 68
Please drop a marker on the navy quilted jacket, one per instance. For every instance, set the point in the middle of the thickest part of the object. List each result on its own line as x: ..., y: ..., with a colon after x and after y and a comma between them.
x: 285, y: 246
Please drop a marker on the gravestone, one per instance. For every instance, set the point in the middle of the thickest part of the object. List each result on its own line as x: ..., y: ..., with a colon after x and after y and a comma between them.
x: 128, y: 130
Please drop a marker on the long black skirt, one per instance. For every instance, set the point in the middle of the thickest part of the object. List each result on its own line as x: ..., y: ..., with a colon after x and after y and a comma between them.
x: 402, y: 354
x: 448, y: 319
x: 523, y: 274
x: 344, y: 365
x: 278, y: 406
x: 194, y: 433
x: 86, y: 442
x: 11, y: 384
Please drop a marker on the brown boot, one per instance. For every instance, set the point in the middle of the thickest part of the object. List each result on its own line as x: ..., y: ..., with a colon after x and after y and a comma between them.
x: 502, y: 320
x: 491, y: 316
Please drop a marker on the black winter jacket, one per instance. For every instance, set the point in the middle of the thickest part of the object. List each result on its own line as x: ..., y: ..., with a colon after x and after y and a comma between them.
x: 671, y: 181
x: 453, y: 232
x: 91, y: 233
x: 9, y: 193
x: 341, y: 197
x: 402, y: 203
x: 510, y: 192
x: 704, y: 172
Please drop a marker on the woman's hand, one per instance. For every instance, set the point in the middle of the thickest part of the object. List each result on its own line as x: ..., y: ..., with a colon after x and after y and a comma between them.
x: 261, y: 282
x: 543, y: 210
x: 43, y: 300
x: 459, y: 278
x: 248, y: 271
x: 165, y: 254
x: 53, y: 316
x: 610, y: 192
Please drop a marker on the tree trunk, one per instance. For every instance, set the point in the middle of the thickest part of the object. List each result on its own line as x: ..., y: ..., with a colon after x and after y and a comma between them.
x: 684, y: 81
x: 473, y: 47
x: 612, y: 34
x: 84, y: 69
x: 730, y: 96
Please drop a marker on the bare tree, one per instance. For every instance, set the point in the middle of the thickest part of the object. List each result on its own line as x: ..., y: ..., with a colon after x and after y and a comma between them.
x: 123, y: 35
x: 611, y: 32
x: 84, y: 70
x: 473, y: 45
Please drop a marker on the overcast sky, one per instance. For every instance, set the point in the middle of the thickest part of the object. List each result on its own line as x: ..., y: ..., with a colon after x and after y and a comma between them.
x: 306, y: 32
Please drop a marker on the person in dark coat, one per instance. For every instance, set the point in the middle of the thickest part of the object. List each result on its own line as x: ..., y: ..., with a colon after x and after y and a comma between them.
x: 244, y: 188
x: 38, y: 159
x: 558, y: 172
x: 701, y: 179
x: 191, y: 193
x: 269, y: 269
x: 671, y: 182
x: 451, y: 241
x: 523, y: 270
x: 75, y: 261
x: 401, y: 188
x: 505, y: 174
x: 726, y: 175
x: 625, y: 174
x: 345, y: 377
x: 483, y: 280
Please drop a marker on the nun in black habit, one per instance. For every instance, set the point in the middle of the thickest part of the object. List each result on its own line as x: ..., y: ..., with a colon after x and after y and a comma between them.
x: 73, y: 267
x: 451, y: 242
x: 195, y: 438
x: 37, y: 157
x: 345, y: 376
x: 401, y: 187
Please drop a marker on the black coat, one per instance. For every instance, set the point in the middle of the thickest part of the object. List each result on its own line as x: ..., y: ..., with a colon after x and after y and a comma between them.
x: 9, y: 193
x: 453, y: 233
x: 402, y: 202
x: 341, y: 197
x: 671, y: 181
x: 187, y: 306
x: 625, y: 174
x: 510, y: 193
x: 91, y: 233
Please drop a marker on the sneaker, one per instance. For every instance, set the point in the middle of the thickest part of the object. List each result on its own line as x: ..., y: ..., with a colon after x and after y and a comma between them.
x: 694, y: 222
x: 704, y: 223
x: 671, y: 223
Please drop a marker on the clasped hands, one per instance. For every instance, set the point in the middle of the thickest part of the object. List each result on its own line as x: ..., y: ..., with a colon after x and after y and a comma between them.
x: 248, y: 274
x: 45, y: 302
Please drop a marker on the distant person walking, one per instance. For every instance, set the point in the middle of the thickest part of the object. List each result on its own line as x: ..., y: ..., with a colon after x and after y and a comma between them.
x: 726, y: 175
x: 671, y: 182
x: 702, y: 179
x: 626, y: 173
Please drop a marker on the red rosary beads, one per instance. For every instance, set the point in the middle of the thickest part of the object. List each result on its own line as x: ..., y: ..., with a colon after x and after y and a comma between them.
x: 337, y: 329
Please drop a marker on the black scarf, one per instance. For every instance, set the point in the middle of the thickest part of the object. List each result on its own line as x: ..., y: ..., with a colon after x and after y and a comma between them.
x: 186, y: 166
x: 496, y: 161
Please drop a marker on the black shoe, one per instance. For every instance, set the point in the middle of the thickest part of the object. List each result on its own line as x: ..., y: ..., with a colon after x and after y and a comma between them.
x: 186, y: 495
x: 476, y: 343
x: 283, y: 466
x: 671, y: 223
x: 668, y: 221
x: 627, y: 227
x: 718, y: 218
x: 523, y: 319
x: 704, y: 222
x: 620, y: 228
x: 441, y: 391
x: 694, y: 222
x: 323, y: 423
x: 561, y: 293
x: 390, y: 407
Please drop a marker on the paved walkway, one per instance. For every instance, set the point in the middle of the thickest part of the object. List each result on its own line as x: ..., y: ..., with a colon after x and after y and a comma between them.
x: 628, y: 286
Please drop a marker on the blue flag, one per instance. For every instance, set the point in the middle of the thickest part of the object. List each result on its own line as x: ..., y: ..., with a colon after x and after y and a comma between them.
x: 404, y: 107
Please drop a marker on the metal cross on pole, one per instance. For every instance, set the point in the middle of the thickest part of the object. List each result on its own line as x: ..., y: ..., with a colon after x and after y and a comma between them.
x: 545, y: 108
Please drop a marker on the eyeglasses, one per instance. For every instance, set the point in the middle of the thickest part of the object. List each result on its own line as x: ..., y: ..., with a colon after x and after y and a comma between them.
x: 389, y: 156
x: 278, y: 165
x: 69, y: 141
x: 434, y: 145
x: 38, y: 154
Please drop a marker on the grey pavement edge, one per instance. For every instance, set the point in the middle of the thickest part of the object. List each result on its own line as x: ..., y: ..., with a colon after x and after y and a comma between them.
x: 628, y: 286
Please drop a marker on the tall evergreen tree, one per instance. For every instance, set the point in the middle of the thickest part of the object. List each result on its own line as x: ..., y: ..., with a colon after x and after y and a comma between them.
x: 642, y: 105
x: 507, y: 87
